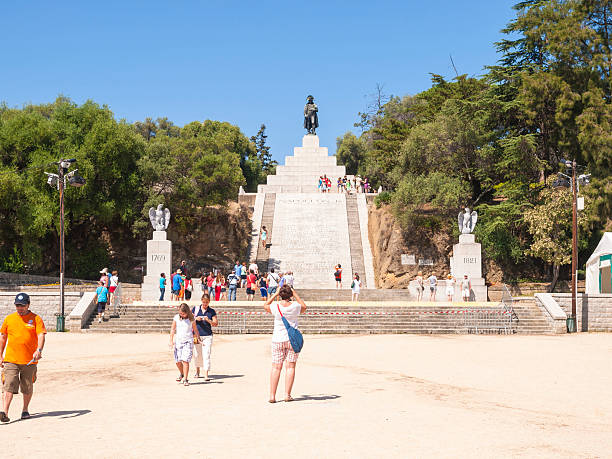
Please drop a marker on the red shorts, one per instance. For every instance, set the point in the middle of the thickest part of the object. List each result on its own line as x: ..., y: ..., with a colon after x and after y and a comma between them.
x: 283, y: 351
x: 112, y: 289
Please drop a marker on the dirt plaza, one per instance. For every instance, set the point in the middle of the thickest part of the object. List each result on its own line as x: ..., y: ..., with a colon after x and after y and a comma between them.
x: 101, y: 395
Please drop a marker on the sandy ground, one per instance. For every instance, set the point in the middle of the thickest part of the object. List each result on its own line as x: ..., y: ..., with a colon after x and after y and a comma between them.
x: 357, y: 396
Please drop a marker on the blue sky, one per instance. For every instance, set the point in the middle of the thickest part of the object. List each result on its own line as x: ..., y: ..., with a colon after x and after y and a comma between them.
x: 240, y: 61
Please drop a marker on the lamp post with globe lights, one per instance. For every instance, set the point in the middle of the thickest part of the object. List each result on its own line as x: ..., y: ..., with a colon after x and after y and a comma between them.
x: 59, y: 181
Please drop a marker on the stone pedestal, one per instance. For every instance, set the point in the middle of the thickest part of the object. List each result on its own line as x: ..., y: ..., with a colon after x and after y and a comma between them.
x: 467, y: 259
x: 159, y: 260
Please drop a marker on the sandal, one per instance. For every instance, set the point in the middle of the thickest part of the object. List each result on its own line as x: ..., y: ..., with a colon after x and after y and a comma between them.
x: 289, y: 398
x: 271, y: 401
x: 25, y: 415
x: 3, y: 417
x: 179, y: 379
x: 185, y: 383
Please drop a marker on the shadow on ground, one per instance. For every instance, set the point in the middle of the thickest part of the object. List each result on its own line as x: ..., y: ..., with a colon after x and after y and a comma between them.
x: 214, y: 377
x: 61, y: 414
x: 303, y: 398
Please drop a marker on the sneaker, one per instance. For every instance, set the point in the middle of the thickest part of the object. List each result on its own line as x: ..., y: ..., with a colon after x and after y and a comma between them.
x: 99, y: 320
x: 3, y: 417
x: 179, y: 379
x: 25, y: 415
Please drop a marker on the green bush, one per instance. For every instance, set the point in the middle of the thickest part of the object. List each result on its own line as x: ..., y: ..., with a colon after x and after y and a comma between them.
x: 13, y: 263
x: 383, y: 199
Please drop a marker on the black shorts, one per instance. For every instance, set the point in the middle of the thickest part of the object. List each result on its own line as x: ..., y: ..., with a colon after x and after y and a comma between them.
x: 250, y: 291
x: 243, y: 276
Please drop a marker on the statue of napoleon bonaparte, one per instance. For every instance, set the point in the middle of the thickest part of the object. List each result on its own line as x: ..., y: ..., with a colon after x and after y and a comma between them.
x: 311, y: 120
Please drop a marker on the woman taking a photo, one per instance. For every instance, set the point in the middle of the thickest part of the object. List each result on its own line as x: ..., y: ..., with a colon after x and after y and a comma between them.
x: 205, y: 319
x: 182, y: 336
x: 281, y: 347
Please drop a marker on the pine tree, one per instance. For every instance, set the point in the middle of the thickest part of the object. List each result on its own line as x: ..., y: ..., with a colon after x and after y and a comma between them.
x: 263, y: 151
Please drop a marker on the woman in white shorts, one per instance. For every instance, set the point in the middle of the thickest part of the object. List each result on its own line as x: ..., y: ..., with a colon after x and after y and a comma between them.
x: 450, y: 287
x: 182, y: 336
x: 355, y: 288
x: 281, y: 347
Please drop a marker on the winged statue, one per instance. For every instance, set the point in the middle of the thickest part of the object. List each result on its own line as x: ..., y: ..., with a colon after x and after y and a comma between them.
x: 467, y: 221
x: 160, y: 217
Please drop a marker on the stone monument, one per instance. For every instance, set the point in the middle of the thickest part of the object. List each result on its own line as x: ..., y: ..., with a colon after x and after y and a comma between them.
x: 467, y: 258
x: 159, y: 255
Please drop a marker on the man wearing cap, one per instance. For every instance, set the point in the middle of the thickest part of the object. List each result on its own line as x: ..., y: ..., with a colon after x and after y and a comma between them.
x: 177, y: 285
x: 25, y: 332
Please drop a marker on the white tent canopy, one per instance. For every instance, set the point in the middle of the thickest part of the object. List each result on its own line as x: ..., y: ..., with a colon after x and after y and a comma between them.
x: 599, y: 260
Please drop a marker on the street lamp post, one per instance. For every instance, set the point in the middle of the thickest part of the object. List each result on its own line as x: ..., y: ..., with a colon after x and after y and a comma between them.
x: 574, y: 182
x: 61, y: 320
x: 59, y: 180
x: 574, y: 240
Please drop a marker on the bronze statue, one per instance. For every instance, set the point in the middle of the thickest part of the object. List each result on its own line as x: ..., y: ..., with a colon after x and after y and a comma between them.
x: 311, y: 120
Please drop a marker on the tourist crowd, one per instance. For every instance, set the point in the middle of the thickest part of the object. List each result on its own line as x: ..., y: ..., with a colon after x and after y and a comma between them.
x: 346, y: 184
x: 224, y: 286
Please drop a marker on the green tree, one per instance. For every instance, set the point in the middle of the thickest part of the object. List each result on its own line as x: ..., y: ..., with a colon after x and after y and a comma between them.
x: 350, y: 152
x: 263, y: 151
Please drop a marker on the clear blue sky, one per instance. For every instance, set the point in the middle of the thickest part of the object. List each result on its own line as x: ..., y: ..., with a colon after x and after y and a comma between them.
x: 244, y: 62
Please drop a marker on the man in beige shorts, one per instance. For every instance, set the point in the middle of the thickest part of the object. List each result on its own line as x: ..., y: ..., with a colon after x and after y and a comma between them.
x: 25, y: 333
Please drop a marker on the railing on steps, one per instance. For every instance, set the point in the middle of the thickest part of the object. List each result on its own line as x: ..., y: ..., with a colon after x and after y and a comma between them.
x: 493, y: 321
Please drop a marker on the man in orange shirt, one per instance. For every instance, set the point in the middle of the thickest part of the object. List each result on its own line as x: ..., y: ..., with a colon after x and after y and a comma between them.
x: 25, y: 332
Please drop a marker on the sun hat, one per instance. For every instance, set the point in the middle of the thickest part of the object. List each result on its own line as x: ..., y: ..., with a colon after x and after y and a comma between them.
x: 104, y: 271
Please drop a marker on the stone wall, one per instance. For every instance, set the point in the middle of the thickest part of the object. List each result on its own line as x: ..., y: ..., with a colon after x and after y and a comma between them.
x: 594, y: 312
x: 247, y: 199
x: 10, y: 279
x: 45, y: 304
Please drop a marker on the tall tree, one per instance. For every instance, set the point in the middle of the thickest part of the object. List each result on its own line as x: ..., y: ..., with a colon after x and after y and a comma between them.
x: 263, y: 151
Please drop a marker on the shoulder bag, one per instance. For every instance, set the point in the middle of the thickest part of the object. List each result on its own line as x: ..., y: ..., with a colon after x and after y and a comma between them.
x: 295, y: 336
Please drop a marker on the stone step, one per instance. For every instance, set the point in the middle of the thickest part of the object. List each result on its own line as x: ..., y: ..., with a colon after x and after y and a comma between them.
x: 309, y: 169
x: 321, y: 161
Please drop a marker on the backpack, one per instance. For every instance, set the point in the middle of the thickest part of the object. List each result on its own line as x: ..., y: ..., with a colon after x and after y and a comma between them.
x: 295, y: 336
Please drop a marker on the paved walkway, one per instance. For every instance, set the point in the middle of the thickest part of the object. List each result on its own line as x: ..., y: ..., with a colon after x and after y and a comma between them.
x: 357, y: 396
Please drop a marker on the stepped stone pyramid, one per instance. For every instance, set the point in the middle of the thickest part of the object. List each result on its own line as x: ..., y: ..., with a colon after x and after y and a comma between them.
x: 301, y: 172
x: 310, y: 232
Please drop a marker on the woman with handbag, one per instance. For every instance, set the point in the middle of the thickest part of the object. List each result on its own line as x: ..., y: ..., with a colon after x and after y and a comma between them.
x: 285, y: 314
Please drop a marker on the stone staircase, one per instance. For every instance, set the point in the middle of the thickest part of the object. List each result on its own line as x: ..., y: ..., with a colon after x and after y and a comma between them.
x: 343, y: 317
x: 267, y: 220
x: 354, y: 233
x: 310, y: 238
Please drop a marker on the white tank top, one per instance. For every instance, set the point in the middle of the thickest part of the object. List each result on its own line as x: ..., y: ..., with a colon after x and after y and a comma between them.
x: 184, y: 330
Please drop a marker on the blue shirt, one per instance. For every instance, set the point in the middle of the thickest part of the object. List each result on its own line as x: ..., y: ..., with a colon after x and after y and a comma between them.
x: 204, y: 328
x: 178, y: 281
x: 162, y: 282
x: 238, y: 270
x: 102, y: 293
